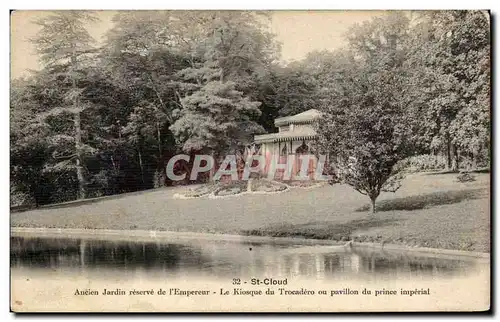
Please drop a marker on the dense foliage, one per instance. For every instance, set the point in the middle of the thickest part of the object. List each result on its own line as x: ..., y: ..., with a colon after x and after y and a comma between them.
x: 411, y: 87
x: 101, y: 120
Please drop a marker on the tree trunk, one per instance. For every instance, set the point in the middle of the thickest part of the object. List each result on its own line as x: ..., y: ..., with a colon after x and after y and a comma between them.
x: 158, y: 133
x: 79, y: 167
x: 160, y: 149
x: 212, y: 169
x: 78, y: 130
x: 474, y: 155
x: 454, y: 166
x: 141, y: 165
x: 448, y: 153
x: 140, y: 141
x: 374, y: 207
x: 36, y: 198
x: 221, y: 79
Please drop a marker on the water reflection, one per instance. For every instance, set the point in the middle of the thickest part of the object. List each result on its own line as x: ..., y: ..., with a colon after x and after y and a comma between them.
x: 224, y: 259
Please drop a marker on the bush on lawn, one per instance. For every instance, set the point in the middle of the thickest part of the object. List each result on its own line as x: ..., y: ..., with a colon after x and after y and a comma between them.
x: 465, y: 177
x: 230, y: 188
x: 303, y: 184
x: 201, y: 191
x: 424, y: 162
x: 263, y: 185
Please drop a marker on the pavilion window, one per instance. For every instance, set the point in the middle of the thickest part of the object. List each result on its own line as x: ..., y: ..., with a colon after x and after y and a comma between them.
x: 284, y: 150
x: 256, y: 149
x: 303, y: 148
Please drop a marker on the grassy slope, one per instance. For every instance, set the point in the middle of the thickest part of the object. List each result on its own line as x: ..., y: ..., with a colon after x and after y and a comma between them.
x: 429, y: 210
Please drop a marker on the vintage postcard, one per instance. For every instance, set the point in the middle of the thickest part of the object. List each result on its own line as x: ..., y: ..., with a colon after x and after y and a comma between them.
x: 250, y: 161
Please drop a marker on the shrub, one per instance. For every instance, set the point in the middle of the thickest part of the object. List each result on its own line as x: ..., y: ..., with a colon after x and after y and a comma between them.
x: 230, y: 188
x: 263, y: 185
x: 424, y: 162
x: 465, y: 177
x: 201, y: 191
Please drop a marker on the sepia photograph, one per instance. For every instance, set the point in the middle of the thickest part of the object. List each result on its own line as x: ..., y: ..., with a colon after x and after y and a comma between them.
x: 250, y: 161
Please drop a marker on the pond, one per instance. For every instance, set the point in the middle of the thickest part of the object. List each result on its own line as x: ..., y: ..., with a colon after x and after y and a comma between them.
x: 219, y: 259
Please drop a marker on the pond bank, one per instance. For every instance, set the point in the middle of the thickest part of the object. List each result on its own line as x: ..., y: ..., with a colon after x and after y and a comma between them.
x: 187, y: 237
x: 167, y: 236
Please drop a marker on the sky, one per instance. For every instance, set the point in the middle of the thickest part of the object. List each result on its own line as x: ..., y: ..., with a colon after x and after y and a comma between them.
x: 299, y: 32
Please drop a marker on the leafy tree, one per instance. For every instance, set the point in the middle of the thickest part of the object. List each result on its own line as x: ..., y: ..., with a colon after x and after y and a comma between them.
x: 140, y: 59
x: 216, y: 118
x: 238, y: 44
x: 29, y: 149
x: 364, y: 130
x: 365, y: 124
x: 296, y: 90
x: 451, y: 80
x: 64, y: 44
x: 284, y: 91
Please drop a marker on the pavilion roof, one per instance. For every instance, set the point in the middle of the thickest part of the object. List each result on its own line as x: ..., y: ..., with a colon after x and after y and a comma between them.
x: 308, y: 116
x: 298, y: 134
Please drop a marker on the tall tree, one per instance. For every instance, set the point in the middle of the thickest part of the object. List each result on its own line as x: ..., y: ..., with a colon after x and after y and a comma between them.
x: 451, y: 77
x: 29, y: 148
x: 365, y: 131
x: 229, y: 53
x: 366, y: 127
x: 64, y: 44
x: 238, y: 43
x: 216, y: 118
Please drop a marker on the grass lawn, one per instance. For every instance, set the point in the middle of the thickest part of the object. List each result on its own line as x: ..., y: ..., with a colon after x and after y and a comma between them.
x: 429, y: 210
